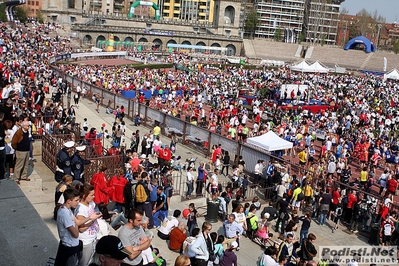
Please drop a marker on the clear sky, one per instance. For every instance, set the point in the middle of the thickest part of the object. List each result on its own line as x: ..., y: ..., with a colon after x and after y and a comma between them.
x: 387, y: 8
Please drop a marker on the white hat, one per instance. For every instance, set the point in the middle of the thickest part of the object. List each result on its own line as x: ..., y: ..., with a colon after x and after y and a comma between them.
x: 143, y: 156
x: 69, y: 144
x: 266, y: 215
x: 234, y: 244
x: 81, y: 148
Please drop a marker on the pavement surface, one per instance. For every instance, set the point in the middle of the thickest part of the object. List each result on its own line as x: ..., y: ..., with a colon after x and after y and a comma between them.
x: 39, y: 194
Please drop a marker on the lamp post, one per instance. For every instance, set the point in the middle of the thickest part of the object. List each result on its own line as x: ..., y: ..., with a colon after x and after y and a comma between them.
x: 378, y: 35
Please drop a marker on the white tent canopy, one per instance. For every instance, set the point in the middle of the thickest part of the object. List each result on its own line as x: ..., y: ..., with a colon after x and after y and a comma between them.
x: 301, y: 67
x: 270, y: 142
x: 393, y: 74
x: 318, y: 68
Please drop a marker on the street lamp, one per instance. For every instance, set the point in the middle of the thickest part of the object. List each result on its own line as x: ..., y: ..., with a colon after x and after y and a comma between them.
x: 378, y: 35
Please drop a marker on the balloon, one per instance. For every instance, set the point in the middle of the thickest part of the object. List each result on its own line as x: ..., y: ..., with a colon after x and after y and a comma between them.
x: 186, y: 212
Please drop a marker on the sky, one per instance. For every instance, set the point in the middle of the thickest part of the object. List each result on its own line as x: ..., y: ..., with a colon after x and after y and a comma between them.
x: 387, y: 8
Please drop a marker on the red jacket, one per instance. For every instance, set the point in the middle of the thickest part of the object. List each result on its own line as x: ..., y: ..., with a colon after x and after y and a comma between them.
x: 392, y: 184
x: 101, y: 189
x: 117, y: 185
x: 176, y: 238
x: 351, y: 200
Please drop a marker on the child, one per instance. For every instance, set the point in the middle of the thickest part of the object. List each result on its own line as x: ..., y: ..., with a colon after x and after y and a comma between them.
x: 246, y: 210
x: 192, y: 218
x: 218, y: 249
x: 159, y: 261
x: 263, y: 232
x: 337, y: 217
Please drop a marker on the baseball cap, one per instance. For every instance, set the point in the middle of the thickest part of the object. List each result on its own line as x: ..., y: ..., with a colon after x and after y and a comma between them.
x: 112, y: 246
x: 234, y: 244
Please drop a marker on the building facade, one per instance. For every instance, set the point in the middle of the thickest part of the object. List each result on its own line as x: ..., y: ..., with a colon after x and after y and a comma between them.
x: 283, y: 15
x: 314, y: 21
x: 33, y: 7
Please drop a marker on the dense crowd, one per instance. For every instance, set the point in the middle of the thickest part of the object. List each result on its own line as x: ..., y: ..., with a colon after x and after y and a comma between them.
x: 360, y: 126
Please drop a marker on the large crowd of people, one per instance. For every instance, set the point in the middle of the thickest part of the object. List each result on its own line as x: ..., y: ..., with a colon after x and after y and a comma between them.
x: 360, y: 126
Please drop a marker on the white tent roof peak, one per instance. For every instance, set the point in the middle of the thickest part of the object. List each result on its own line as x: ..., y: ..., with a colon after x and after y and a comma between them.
x: 270, y: 142
x: 393, y: 74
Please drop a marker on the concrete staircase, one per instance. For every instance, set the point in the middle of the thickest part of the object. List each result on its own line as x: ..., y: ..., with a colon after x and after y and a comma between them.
x: 249, y: 48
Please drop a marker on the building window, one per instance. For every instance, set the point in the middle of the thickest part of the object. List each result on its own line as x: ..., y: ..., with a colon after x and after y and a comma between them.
x: 73, y: 19
x: 37, y: 3
x: 71, y: 3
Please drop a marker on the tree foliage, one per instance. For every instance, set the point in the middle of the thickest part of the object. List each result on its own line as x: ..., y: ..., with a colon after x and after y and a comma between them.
x: 21, y: 13
x: 278, y: 35
x: 3, y: 16
x: 395, y: 47
x: 252, y: 22
x: 39, y: 16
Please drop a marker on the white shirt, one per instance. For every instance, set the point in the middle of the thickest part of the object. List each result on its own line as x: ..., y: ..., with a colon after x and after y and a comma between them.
x: 189, y: 177
x: 90, y: 234
x: 168, y: 224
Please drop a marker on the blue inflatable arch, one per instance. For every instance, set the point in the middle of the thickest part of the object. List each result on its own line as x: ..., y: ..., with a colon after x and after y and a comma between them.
x: 360, y: 40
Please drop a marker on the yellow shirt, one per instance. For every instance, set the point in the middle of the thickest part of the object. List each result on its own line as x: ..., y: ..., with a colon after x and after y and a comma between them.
x: 308, y: 191
x: 157, y: 131
x: 302, y: 156
x: 363, y: 176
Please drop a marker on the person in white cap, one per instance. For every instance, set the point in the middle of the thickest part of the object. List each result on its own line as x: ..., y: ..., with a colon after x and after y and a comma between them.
x: 63, y: 166
x: 229, y: 257
x: 78, y: 163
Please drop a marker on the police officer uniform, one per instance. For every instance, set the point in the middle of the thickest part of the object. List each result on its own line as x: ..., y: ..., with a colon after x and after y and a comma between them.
x: 63, y: 166
x: 78, y: 163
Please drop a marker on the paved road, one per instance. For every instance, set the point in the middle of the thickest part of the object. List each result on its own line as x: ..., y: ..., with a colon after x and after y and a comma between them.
x: 43, y: 199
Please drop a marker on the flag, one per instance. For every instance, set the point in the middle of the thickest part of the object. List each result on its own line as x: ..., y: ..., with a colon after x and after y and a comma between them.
x: 242, y: 62
x: 385, y: 64
x: 275, y: 23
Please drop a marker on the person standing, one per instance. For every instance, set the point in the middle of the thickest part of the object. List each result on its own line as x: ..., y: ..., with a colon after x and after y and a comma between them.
x: 202, y: 244
x: 229, y: 257
x: 87, y: 230
x: 2, y: 147
x: 67, y: 225
x: 78, y: 163
x: 306, y: 221
x: 100, y: 183
x: 160, y: 209
x: 282, y: 206
x: 117, y: 185
x: 134, y: 238
x: 200, y: 179
x: 21, y: 143
x: 63, y: 166
x: 190, y: 182
x: 232, y: 230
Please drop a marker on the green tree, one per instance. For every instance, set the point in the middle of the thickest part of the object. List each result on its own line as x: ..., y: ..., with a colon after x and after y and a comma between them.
x: 39, y: 16
x: 3, y: 16
x: 395, y: 47
x: 322, y: 39
x: 300, y: 37
x: 278, y: 35
x: 21, y: 13
x: 252, y: 23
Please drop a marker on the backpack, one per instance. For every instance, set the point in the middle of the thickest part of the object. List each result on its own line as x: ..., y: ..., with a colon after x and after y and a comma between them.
x: 289, y: 193
x: 141, y: 194
x: 128, y: 192
x: 301, y: 196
